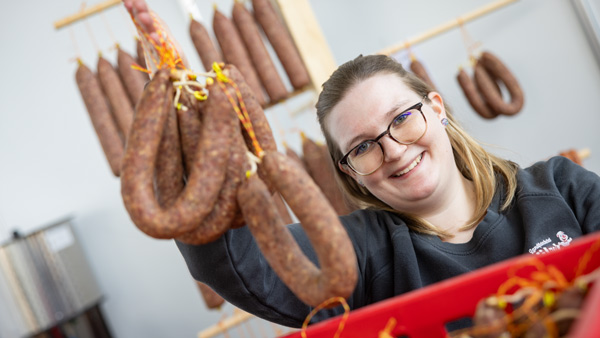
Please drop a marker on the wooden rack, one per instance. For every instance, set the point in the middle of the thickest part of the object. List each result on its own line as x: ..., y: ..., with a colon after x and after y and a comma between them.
x: 85, y: 13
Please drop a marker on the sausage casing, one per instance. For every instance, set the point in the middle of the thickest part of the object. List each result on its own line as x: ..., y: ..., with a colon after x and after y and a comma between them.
x: 207, y: 51
x: 498, y: 70
x: 472, y: 94
x: 117, y: 96
x: 133, y: 80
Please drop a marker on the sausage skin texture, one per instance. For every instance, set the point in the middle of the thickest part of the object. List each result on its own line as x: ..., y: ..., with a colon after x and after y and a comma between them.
x: 235, y: 53
x: 338, y: 274
x: 133, y: 80
x: 472, y: 94
x: 207, y: 51
x: 141, y: 57
x: 190, y: 128
x: 419, y: 70
x: 259, y: 55
x: 207, y: 174
x: 226, y: 207
x: 499, y: 71
x: 211, y: 298
x: 101, y: 117
x: 282, y: 43
x: 117, y: 96
x: 320, y: 167
x: 169, y: 163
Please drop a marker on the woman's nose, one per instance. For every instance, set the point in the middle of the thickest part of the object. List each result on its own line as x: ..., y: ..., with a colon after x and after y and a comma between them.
x: 392, y: 150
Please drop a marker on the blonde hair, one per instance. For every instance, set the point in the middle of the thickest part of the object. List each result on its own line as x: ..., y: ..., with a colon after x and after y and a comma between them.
x: 472, y: 160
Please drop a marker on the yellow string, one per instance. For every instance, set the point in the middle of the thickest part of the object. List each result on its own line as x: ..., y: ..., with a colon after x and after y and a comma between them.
x: 328, y: 302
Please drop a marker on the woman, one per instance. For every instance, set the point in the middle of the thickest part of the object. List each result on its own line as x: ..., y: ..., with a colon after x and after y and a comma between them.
x: 434, y: 204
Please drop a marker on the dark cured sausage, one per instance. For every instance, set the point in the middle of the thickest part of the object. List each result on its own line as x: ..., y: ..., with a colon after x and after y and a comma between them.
x: 134, y: 80
x: 282, y: 43
x: 207, y: 51
x: 141, y: 57
x: 117, y: 96
x: 102, y: 119
x: 226, y: 208
x: 190, y: 128
x: 419, y: 70
x: 338, y: 274
x: 259, y: 55
x: 499, y: 71
x: 169, y: 163
x: 206, y: 175
x: 320, y: 167
x: 235, y: 53
x: 473, y: 96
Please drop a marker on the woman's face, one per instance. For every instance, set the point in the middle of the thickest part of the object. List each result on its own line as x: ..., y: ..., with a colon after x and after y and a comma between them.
x: 412, y: 178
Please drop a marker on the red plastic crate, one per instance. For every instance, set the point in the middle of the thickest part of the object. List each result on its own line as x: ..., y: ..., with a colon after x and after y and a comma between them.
x: 423, y: 313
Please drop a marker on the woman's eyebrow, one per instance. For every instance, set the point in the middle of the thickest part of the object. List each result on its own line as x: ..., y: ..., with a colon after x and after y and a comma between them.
x: 400, y: 104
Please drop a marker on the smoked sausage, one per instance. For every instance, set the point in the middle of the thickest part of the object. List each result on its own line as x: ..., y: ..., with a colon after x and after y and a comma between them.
x: 235, y: 53
x: 133, y: 79
x: 282, y: 43
x: 259, y: 55
x: 472, y: 94
x: 101, y: 117
x: 419, y: 70
x: 169, y: 163
x: 207, y: 173
x: 207, y: 51
x: 499, y: 71
x: 117, y: 96
x: 338, y: 274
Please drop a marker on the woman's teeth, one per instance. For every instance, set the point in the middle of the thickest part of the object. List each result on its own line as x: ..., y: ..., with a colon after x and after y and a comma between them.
x: 410, y: 167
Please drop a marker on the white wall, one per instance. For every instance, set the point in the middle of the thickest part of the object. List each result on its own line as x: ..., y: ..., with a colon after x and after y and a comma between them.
x: 51, y: 164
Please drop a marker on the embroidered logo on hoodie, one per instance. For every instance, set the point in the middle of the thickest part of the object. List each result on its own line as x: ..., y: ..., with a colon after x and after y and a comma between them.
x: 546, y: 245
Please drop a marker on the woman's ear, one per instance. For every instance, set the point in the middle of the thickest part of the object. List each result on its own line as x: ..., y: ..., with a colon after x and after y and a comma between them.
x: 437, y: 104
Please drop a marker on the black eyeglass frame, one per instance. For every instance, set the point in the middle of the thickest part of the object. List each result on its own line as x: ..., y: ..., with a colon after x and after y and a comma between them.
x: 418, y: 106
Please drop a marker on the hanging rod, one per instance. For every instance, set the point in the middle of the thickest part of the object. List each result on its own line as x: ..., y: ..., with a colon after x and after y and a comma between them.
x: 85, y: 13
x: 446, y: 26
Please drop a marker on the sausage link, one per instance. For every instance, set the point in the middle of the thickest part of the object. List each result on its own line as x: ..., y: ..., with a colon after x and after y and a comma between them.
x: 225, y: 209
x: 206, y: 175
x: 207, y: 51
x: 498, y: 70
x: 338, y: 274
x: 117, y: 97
x: 419, y: 70
x: 102, y: 119
x: 190, y: 128
x: 320, y: 167
x: 259, y: 55
x: 169, y: 163
x: 282, y: 43
x: 134, y: 80
x: 282, y: 208
x: 235, y: 53
x: 472, y: 94
x: 141, y: 55
x: 211, y: 298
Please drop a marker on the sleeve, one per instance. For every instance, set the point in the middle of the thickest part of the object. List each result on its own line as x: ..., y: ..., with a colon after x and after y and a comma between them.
x: 234, y: 267
x: 581, y: 189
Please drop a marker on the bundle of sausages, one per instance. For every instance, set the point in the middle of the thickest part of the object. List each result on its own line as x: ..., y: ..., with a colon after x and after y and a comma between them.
x: 186, y: 175
x: 242, y: 45
x: 484, y: 94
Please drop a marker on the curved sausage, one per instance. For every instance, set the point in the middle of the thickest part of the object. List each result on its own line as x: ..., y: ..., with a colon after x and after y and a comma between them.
x: 117, y: 97
x: 282, y: 43
x: 134, y: 80
x: 472, y: 94
x: 338, y: 274
x: 225, y: 208
x: 419, y: 70
x: 259, y: 55
x: 320, y: 167
x: 206, y: 175
x: 498, y: 70
x: 235, y: 53
x: 102, y: 119
x: 169, y: 163
x: 190, y: 128
x: 207, y: 51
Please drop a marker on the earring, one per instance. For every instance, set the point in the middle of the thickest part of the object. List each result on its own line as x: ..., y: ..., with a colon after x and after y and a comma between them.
x: 444, y: 122
x: 360, y: 182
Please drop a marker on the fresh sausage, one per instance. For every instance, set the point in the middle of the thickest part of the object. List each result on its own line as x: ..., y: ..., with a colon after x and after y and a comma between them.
x: 320, y: 167
x: 419, y: 70
x: 207, y: 51
x: 116, y: 94
x: 235, y: 53
x: 498, y: 70
x: 259, y: 55
x: 282, y: 43
x: 338, y: 274
x: 207, y: 174
x: 102, y: 119
x: 133, y: 79
x: 473, y: 95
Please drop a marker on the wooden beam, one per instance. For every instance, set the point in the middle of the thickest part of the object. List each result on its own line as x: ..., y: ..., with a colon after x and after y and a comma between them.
x: 85, y: 13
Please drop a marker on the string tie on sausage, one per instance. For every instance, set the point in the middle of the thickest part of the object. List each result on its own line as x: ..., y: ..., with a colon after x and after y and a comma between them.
x: 254, y: 161
x: 326, y: 303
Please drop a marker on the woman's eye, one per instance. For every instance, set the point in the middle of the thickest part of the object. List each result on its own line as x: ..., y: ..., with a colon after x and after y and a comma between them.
x: 362, y: 148
x: 401, y: 118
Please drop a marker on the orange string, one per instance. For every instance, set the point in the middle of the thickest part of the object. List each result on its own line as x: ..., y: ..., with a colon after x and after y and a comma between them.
x: 328, y: 302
